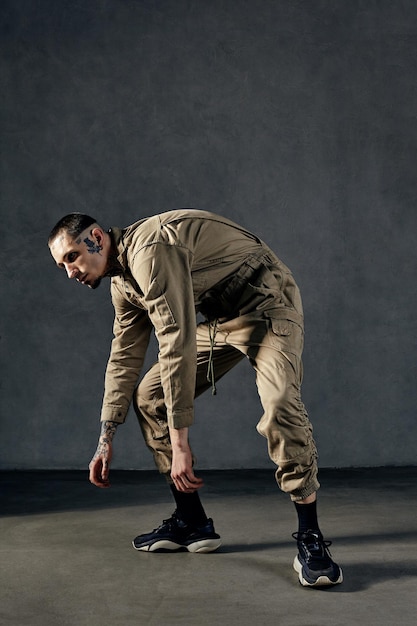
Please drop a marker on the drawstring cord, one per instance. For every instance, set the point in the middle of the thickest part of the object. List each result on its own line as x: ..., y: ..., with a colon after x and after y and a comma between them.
x: 210, y: 370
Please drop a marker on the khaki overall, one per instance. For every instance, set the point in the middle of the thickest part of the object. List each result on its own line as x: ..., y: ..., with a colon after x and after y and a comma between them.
x: 177, y: 264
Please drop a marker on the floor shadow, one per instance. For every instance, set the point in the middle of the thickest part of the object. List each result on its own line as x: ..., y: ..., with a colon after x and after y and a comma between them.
x: 354, y: 541
x: 33, y: 492
x: 357, y: 577
x: 364, y: 575
x: 255, y: 547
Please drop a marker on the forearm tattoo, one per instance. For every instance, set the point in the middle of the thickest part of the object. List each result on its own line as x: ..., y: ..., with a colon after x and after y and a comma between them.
x: 108, y: 430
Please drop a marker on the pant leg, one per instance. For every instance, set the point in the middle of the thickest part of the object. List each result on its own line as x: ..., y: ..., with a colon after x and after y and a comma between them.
x: 148, y: 400
x: 274, y: 348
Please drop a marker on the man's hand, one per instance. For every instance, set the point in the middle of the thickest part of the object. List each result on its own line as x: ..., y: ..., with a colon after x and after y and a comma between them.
x: 182, y: 472
x: 100, y: 463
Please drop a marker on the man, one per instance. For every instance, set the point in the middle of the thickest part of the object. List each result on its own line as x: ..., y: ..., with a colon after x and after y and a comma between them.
x: 164, y: 269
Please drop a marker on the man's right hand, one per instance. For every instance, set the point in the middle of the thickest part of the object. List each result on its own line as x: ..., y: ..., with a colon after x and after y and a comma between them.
x: 100, y: 463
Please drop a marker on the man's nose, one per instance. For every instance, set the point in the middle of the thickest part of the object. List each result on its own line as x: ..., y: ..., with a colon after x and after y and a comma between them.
x: 72, y: 272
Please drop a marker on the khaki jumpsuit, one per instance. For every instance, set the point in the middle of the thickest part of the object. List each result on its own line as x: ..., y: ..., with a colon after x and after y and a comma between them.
x: 175, y: 265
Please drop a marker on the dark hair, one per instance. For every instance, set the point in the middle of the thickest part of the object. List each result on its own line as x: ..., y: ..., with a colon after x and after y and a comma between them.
x: 73, y: 224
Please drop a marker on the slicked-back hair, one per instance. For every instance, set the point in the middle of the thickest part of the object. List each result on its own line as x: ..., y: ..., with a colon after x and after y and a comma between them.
x: 73, y: 224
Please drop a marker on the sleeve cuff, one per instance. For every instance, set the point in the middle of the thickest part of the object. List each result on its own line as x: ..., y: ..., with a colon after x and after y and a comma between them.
x: 181, y: 419
x: 113, y: 414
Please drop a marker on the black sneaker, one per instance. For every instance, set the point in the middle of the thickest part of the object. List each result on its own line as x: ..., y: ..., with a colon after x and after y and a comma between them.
x: 174, y: 534
x: 313, y: 562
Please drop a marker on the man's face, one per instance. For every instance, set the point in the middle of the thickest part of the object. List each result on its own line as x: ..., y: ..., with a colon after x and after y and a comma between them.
x: 83, y: 258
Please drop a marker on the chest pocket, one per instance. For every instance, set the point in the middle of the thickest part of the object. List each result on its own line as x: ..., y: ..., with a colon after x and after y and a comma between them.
x: 132, y: 292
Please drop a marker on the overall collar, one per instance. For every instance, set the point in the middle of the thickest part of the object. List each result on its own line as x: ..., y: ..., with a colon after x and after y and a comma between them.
x: 117, y: 258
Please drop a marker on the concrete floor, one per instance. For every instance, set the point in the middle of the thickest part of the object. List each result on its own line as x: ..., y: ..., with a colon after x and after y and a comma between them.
x: 67, y: 559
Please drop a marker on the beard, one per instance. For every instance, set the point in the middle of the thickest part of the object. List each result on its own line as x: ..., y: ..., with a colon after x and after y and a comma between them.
x: 95, y: 284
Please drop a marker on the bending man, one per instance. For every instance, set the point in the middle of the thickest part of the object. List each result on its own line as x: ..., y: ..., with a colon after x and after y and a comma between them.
x: 164, y: 269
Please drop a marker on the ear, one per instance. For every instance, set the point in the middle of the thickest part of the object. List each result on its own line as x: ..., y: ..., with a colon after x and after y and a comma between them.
x: 98, y: 234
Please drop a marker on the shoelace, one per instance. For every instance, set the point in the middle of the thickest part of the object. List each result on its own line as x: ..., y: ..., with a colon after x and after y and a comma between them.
x: 170, y: 522
x: 313, y: 543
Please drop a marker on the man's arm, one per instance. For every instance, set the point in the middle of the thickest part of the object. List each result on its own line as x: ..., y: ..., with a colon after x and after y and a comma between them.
x: 100, y: 463
x: 164, y: 275
x: 182, y: 472
x: 131, y: 330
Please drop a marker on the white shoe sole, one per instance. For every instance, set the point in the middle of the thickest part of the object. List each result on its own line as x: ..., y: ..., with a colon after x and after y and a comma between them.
x: 322, y: 581
x: 203, y: 546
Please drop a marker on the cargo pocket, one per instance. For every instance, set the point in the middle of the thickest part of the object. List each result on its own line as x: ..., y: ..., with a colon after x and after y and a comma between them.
x: 285, y: 335
x: 281, y: 328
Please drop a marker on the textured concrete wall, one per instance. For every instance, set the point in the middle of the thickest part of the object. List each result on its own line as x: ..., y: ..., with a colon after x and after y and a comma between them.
x: 297, y: 119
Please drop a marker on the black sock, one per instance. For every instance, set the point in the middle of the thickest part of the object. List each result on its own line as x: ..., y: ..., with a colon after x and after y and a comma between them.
x: 189, y: 507
x: 307, y: 517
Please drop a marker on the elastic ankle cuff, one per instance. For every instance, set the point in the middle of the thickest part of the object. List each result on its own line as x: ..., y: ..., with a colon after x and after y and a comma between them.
x: 301, y: 494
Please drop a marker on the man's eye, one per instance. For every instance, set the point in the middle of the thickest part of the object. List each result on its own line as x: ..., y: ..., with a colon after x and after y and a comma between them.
x: 71, y: 257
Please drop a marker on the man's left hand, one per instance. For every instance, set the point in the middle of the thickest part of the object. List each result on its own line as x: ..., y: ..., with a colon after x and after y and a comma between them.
x: 182, y: 472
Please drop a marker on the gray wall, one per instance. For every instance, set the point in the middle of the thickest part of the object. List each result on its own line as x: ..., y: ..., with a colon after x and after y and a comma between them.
x: 295, y: 118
